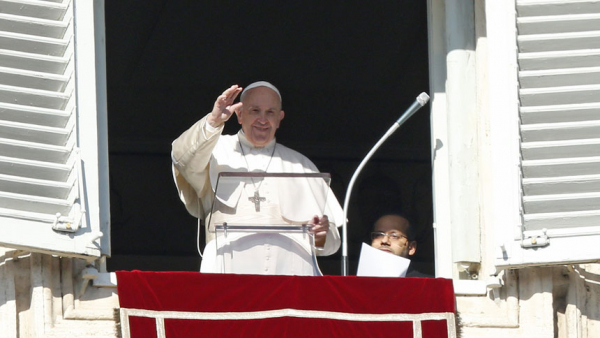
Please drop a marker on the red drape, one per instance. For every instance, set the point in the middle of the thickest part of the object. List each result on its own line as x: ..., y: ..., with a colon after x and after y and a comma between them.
x: 328, y: 306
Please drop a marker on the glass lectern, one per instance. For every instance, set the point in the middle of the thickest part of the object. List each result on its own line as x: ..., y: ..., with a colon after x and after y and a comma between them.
x: 260, y: 221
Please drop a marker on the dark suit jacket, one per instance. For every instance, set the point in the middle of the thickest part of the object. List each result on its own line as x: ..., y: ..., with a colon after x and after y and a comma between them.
x: 411, y: 272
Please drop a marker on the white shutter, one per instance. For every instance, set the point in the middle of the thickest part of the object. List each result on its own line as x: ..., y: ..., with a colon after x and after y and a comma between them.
x: 48, y: 195
x: 559, y: 78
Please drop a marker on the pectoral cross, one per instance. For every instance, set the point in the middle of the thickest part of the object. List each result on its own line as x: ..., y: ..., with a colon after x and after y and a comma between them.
x: 256, y: 200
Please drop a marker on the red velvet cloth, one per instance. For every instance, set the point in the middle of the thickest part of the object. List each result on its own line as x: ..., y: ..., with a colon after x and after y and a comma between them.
x: 226, y: 293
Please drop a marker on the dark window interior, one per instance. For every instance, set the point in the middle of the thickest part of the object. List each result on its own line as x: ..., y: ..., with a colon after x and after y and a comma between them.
x: 346, y: 71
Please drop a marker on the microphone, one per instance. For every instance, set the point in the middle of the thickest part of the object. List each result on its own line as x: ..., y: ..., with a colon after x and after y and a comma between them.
x: 420, y: 101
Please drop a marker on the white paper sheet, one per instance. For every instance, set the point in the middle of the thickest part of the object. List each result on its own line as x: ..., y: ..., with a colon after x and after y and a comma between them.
x: 376, y: 263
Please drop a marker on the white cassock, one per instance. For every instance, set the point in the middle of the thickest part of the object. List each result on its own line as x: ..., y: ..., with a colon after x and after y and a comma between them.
x: 200, y: 154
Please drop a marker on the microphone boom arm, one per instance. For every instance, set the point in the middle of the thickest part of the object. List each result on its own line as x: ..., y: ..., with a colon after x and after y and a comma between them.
x: 421, y: 100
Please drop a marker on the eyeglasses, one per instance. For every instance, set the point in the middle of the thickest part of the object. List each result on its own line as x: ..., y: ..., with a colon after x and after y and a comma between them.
x: 394, y: 236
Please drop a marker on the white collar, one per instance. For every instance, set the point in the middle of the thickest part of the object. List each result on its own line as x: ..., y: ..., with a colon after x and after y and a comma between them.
x: 244, y: 141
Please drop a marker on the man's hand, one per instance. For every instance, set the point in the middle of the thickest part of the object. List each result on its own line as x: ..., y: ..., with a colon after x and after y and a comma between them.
x: 320, y: 229
x: 224, y: 107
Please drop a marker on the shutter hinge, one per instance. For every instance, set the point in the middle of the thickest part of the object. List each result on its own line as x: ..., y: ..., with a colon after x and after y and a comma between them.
x: 67, y: 224
x: 73, y: 222
x: 534, y: 239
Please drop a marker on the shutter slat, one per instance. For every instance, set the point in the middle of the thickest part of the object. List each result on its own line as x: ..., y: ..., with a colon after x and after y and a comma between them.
x: 34, y: 45
x: 556, y: 7
x: 559, y: 77
x: 559, y: 42
x: 35, y: 9
x: 34, y: 133
x: 561, y: 203
x: 558, y: 185
x: 35, y: 187
x: 34, y: 97
x: 560, y: 113
x: 35, y: 115
x: 558, y: 24
x: 35, y: 169
x: 28, y: 203
x: 560, y: 95
x: 560, y: 131
x: 34, y: 62
x: 33, y: 26
x: 35, y: 151
x: 560, y: 59
x: 560, y: 168
x: 560, y: 149
x: 560, y: 220
x: 34, y: 80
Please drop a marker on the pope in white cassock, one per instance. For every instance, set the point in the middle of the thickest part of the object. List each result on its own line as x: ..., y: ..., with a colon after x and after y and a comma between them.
x: 201, y: 153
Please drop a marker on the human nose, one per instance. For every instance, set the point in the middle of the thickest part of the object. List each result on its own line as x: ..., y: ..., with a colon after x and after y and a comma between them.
x: 262, y: 117
x: 385, y: 239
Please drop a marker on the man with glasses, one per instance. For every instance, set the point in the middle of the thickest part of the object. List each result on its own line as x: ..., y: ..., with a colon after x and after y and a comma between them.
x: 394, y: 234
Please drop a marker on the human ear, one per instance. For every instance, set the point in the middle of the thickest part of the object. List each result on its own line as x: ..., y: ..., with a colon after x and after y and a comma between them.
x: 238, y: 113
x: 412, y: 248
x: 281, y: 116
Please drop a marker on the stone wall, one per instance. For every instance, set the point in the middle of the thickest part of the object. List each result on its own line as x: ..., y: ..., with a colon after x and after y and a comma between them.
x: 560, y: 301
x: 47, y: 296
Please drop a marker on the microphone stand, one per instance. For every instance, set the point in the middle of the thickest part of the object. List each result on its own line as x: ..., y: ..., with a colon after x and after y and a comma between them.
x: 421, y: 100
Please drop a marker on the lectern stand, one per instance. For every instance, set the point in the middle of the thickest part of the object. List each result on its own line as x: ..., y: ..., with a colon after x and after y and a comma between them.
x: 252, y: 211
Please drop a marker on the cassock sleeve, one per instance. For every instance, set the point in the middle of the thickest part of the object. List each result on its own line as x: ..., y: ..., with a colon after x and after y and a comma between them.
x: 190, y: 154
